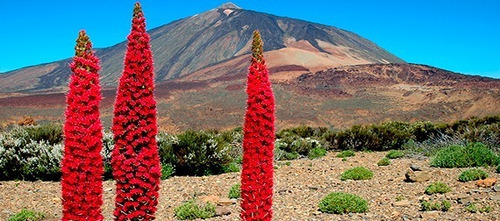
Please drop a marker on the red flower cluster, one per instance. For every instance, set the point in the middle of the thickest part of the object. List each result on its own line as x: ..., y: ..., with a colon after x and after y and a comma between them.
x: 135, y: 158
x: 82, y: 165
x: 258, y: 142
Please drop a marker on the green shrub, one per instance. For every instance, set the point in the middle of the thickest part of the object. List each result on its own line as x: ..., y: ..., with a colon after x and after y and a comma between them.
x: 346, y: 153
x: 384, y: 162
x: 474, y: 209
x: 394, y: 154
x: 437, y: 187
x: 316, y: 152
x: 302, y: 131
x: 340, y: 203
x: 51, y: 133
x: 191, y: 210
x: 235, y: 191
x: 167, y: 171
x: 27, y: 215
x: 472, y: 174
x: 430, y: 205
x: 472, y: 155
x: 357, y: 173
x: 498, y: 169
x: 291, y: 156
x: 344, y: 159
x: 232, y: 167
x: 198, y: 153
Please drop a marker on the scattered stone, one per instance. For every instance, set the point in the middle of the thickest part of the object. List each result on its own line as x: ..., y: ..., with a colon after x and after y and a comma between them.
x: 420, y: 176
x: 464, y: 200
x: 430, y: 215
x: 222, y: 211
x: 226, y: 201
x: 488, y: 182
x: 402, y: 203
x: 415, y: 167
x: 210, y: 199
x: 108, y: 189
x: 496, y: 188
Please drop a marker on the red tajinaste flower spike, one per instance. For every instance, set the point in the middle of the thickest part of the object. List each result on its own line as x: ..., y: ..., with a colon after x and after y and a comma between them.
x: 82, y: 166
x: 258, y: 142
x: 134, y: 127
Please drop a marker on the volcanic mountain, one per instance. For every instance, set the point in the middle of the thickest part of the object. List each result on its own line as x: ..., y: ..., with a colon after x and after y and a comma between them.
x: 321, y: 76
x: 216, y: 36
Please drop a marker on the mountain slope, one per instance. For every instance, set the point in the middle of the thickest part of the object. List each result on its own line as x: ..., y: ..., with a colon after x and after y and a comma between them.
x: 338, y: 97
x: 213, y: 37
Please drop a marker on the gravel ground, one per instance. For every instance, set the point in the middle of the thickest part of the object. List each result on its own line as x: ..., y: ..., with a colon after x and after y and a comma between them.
x: 298, y: 190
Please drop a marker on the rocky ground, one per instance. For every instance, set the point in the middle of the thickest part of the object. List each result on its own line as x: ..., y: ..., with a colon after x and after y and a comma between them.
x: 299, y: 187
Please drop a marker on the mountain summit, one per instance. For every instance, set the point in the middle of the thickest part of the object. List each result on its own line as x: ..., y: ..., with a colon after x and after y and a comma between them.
x: 220, y: 37
x: 228, y: 5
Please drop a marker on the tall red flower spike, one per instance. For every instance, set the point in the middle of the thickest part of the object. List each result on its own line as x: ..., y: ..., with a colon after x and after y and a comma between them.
x: 258, y: 142
x: 135, y: 158
x: 82, y: 165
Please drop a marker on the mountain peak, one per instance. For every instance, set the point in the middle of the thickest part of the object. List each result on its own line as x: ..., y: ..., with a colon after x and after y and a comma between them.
x: 228, y: 5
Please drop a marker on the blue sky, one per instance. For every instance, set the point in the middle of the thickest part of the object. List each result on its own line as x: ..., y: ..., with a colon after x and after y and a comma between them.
x: 461, y: 36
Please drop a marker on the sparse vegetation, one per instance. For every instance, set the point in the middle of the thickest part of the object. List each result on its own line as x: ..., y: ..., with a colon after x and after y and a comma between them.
x: 340, y: 203
x: 167, y: 171
x: 437, y: 187
x: 472, y: 174
x: 192, y: 210
x: 316, y: 152
x: 443, y: 205
x: 384, y: 162
x: 27, y: 215
x: 471, y: 207
x: 394, y: 154
x: 346, y: 153
x: 357, y: 173
x: 235, y: 191
x: 472, y: 155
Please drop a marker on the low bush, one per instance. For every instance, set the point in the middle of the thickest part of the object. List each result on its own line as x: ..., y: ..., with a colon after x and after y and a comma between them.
x: 302, y: 131
x: 27, y: 215
x: 346, y: 153
x: 498, y: 169
x: 235, y: 191
x: 472, y: 174
x: 167, y: 171
x: 357, y: 173
x: 24, y: 158
x: 191, y: 210
x: 437, y: 187
x: 340, y: 203
x: 384, y: 162
x: 474, y: 209
x: 431, y: 205
x: 231, y: 167
x: 472, y: 155
x: 394, y: 154
x: 316, y: 152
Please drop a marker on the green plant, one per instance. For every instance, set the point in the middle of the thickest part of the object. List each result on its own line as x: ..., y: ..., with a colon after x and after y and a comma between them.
x: 344, y: 159
x: 471, y: 208
x: 52, y: 133
x: 232, y: 167
x: 437, y: 187
x: 288, y: 163
x: 472, y: 155
x: 290, y: 156
x: 357, y: 173
x: 486, y: 209
x: 384, y: 162
x: 27, y: 215
x: 498, y: 169
x: 399, y: 198
x: 346, y: 153
x: 431, y: 205
x: 340, y: 203
x: 167, y: 171
x: 316, y: 152
x: 472, y: 174
x: 191, y: 210
x: 235, y: 191
x: 394, y: 154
